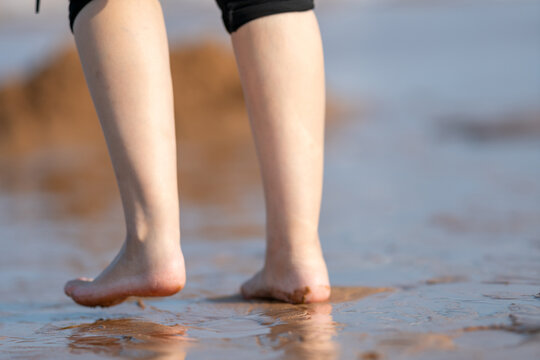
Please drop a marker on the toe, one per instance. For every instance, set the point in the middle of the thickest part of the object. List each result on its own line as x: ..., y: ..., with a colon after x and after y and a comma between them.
x: 71, y: 285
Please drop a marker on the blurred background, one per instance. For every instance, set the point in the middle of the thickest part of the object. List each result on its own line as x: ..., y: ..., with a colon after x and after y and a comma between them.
x: 432, y: 184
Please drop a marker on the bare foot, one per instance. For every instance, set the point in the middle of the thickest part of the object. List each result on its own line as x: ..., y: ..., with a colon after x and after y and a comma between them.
x: 137, y: 270
x: 293, y: 278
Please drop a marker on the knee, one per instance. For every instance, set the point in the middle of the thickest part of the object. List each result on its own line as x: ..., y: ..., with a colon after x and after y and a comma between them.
x: 236, y: 13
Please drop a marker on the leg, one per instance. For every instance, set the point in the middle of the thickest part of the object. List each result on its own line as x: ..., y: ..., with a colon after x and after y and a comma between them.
x: 124, y: 53
x: 280, y: 60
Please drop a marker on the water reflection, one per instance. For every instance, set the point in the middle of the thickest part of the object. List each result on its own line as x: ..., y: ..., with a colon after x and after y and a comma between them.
x: 129, y: 338
x: 305, y: 331
x: 302, y: 332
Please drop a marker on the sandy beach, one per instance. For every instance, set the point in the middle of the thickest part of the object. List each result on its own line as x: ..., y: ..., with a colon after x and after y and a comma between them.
x: 430, y: 221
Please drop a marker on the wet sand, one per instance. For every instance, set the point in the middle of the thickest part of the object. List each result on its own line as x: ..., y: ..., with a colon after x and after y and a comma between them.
x: 431, y: 207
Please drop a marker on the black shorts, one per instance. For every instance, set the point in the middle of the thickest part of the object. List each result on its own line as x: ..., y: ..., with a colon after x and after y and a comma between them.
x: 234, y: 13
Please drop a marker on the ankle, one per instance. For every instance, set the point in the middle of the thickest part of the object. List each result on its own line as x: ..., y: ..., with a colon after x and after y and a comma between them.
x: 291, y: 239
x: 157, y: 241
x: 145, y: 230
x: 295, y: 250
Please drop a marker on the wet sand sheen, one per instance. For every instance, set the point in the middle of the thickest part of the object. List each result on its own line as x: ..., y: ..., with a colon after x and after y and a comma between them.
x: 304, y: 331
x: 121, y: 336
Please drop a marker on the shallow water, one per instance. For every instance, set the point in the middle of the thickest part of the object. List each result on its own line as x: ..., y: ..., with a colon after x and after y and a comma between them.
x: 430, y: 220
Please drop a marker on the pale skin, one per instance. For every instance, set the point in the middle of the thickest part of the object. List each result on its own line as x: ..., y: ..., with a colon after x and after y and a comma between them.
x: 124, y: 53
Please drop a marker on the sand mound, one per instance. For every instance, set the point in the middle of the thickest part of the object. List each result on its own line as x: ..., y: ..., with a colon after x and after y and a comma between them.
x: 54, y: 107
x: 48, y: 124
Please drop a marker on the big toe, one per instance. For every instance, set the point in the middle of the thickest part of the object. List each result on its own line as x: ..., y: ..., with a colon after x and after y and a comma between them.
x: 72, y: 285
